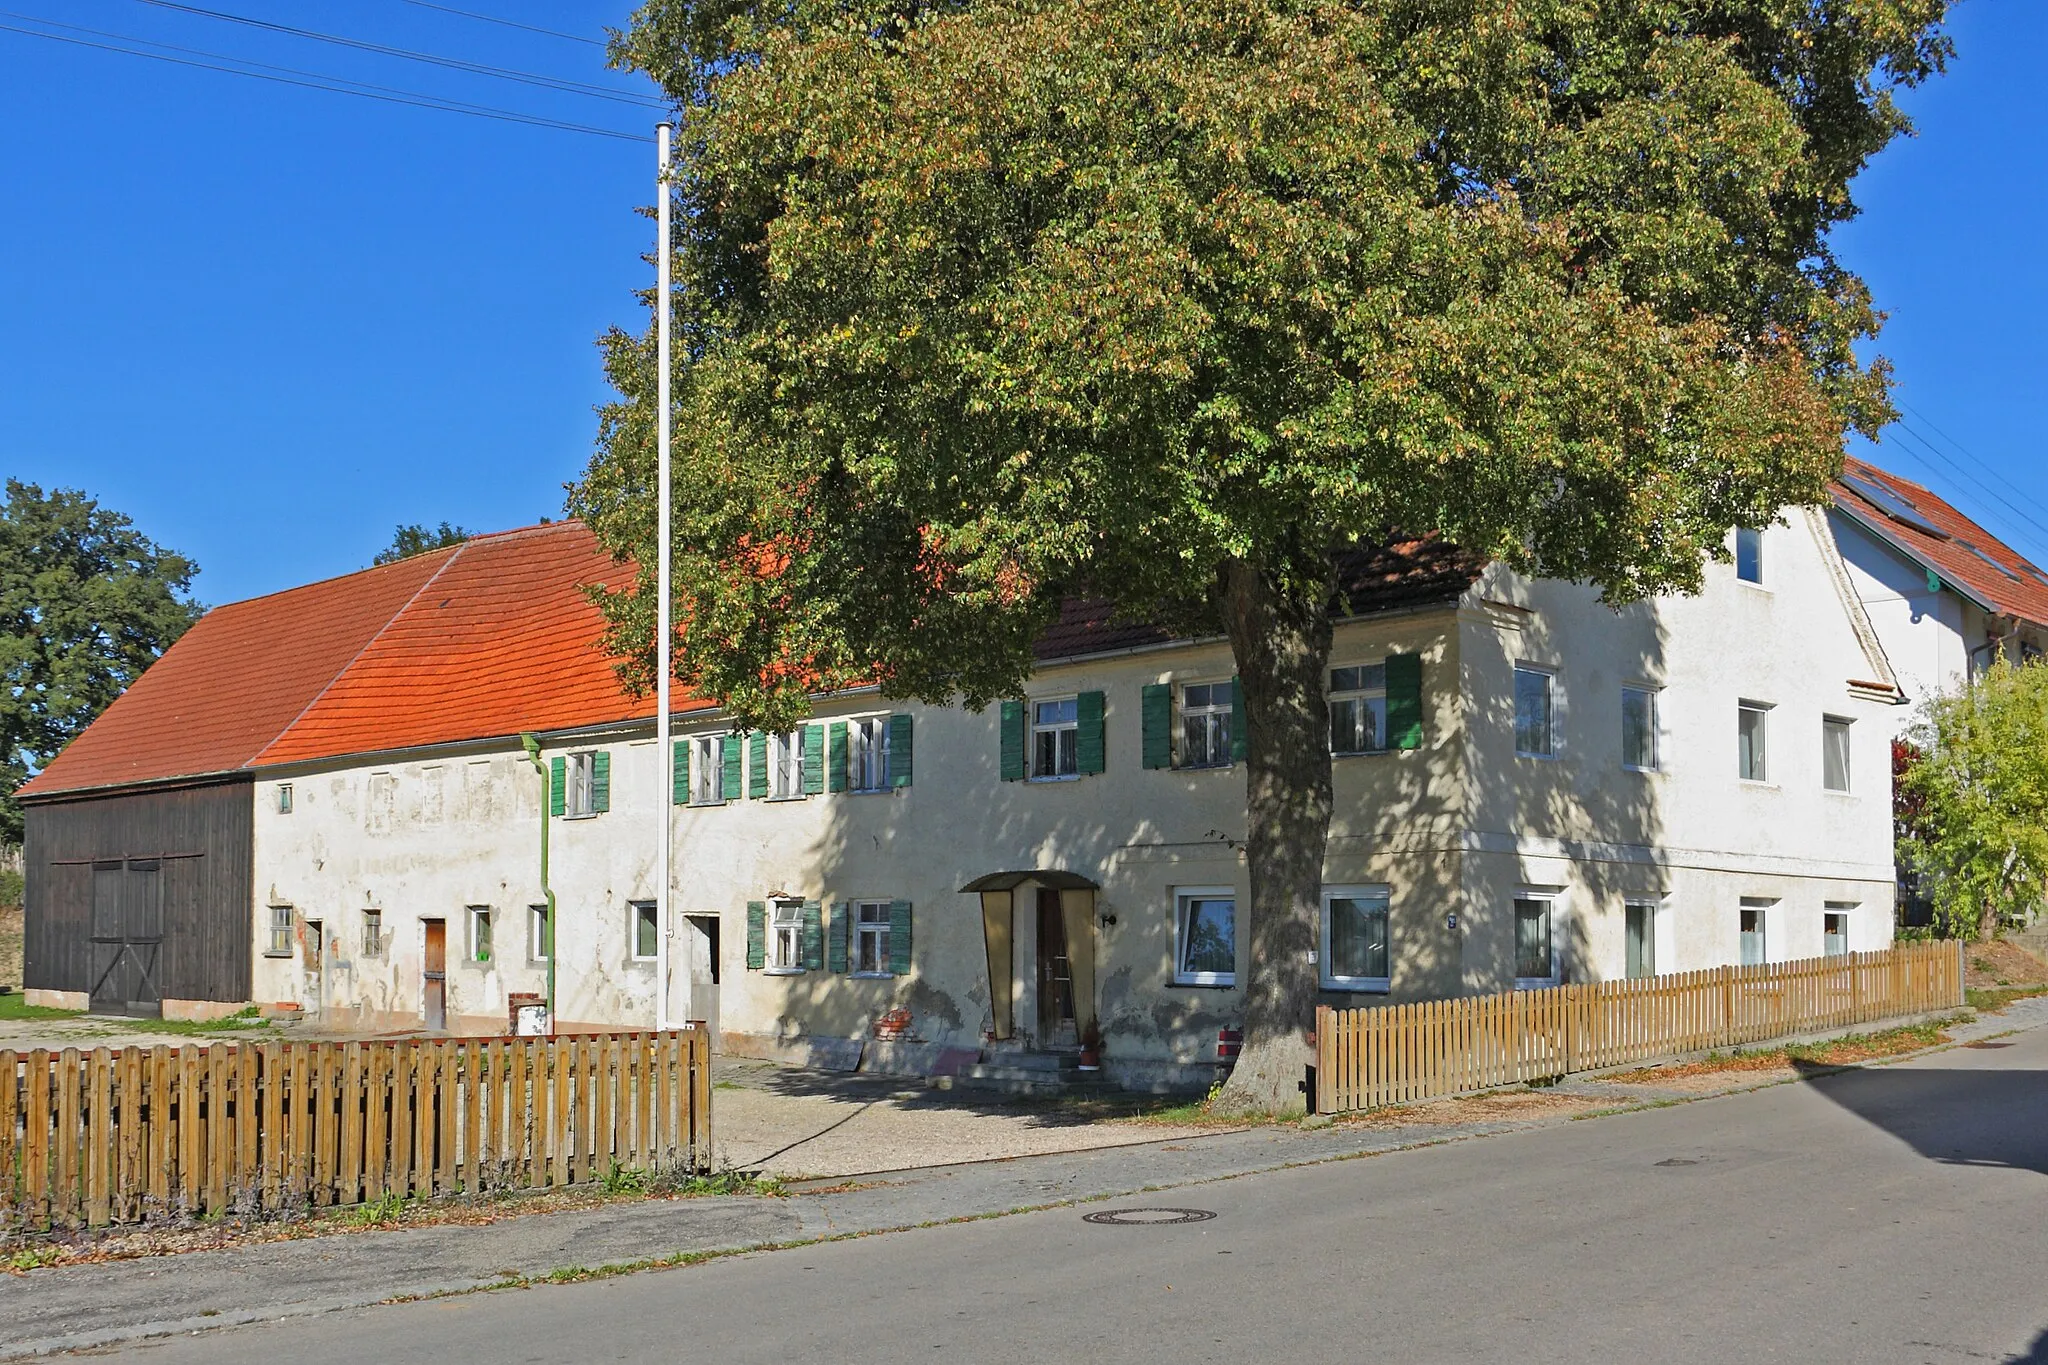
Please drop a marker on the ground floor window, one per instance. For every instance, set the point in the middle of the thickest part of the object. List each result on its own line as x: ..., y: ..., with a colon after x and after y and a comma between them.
x: 786, y: 935
x: 537, y: 942
x: 479, y: 933
x: 373, y: 933
x: 1535, y: 939
x: 1835, y: 929
x: 1755, y: 912
x: 646, y: 931
x: 1355, y: 938
x: 1639, y: 928
x: 280, y: 944
x: 871, y: 938
x: 1205, y: 936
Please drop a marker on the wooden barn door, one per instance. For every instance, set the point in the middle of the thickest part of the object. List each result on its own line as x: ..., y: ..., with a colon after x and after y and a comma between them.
x: 127, y: 937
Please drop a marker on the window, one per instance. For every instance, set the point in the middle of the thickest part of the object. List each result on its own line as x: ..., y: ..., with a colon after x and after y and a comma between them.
x: 707, y: 770
x: 1834, y: 929
x: 871, y: 938
x: 1751, y: 723
x: 1754, y: 950
x: 867, y: 754
x: 786, y: 766
x: 1639, y: 929
x: 786, y: 935
x: 479, y: 933
x: 580, y: 786
x: 1358, y: 709
x: 1535, y: 953
x: 1056, y: 738
x: 537, y: 943
x: 1639, y: 728
x: 1355, y: 938
x: 284, y: 798
x: 1534, y: 705
x: 1205, y: 930
x: 1749, y: 555
x: 646, y: 931
x: 280, y: 932
x: 1205, y: 725
x: 373, y: 933
x: 1834, y: 753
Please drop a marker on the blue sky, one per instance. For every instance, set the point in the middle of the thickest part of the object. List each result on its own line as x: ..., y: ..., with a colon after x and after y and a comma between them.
x: 271, y: 323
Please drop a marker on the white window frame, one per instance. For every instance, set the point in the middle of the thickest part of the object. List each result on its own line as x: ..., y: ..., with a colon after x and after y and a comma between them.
x: 786, y: 766
x: 707, y: 769
x: 1553, y: 897
x: 867, y: 754
x: 869, y: 939
x: 1828, y: 725
x: 1071, y: 728
x: 1831, y: 910
x: 1762, y: 711
x: 785, y: 932
x: 1761, y: 571
x: 282, y: 923
x: 1761, y: 907
x: 579, y: 785
x: 1364, y: 696
x: 1214, y: 717
x: 1550, y: 694
x: 536, y: 933
x: 636, y: 911
x: 1183, y: 898
x: 1651, y: 698
x: 284, y: 798
x: 472, y: 916
x: 1370, y: 891
x: 374, y: 943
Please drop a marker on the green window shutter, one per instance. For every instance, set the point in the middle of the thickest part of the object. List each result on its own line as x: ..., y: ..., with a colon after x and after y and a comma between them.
x: 1157, y: 720
x: 601, y: 781
x: 899, y: 937
x: 1237, y: 727
x: 1090, y: 748
x: 835, y: 757
x: 680, y: 775
x: 1013, y: 741
x: 835, y: 943
x: 732, y: 767
x: 1404, y: 701
x: 899, y: 750
x: 557, y: 779
x: 757, y: 765
x: 814, y: 759
x: 757, y: 935
x: 814, y: 937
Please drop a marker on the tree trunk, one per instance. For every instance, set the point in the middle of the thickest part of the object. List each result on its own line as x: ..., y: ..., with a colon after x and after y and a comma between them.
x: 1281, y: 638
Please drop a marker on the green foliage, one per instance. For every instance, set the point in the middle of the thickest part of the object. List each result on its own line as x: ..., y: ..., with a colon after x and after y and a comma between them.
x: 1978, y: 787
x: 982, y: 305
x: 12, y: 887
x: 417, y: 539
x: 86, y: 603
x: 383, y: 1211
x: 14, y: 1005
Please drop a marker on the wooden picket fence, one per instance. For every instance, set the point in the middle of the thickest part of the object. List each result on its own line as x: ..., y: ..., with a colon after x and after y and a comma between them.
x: 1399, y: 1054
x: 122, y: 1136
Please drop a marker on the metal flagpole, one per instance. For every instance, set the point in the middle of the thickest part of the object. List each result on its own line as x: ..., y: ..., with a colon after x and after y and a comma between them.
x: 663, y: 743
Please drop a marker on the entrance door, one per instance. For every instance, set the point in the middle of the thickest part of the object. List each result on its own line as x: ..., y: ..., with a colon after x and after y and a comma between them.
x: 434, y: 991
x: 700, y: 952
x: 127, y: 937
x: 1055, y: 974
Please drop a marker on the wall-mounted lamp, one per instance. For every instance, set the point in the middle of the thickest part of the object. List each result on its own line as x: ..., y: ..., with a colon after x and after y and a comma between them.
x: 1108, y: 919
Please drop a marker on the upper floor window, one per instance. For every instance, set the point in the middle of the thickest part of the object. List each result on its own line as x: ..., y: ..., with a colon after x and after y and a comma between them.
x: 1355, y: 943
x: 785, y: 765
x: 579, y: 785
x: 867, y: 754
x: 707, y: 770
x: 1639, y: 728
x: 1749, y: 554
x: 1358, y: 709
x: 1535, y: 706
x: 1205, y: 724
x: 1056, y: 737
x: 1834, y: 753
x: 284, y: 798
x: 1752, y: 749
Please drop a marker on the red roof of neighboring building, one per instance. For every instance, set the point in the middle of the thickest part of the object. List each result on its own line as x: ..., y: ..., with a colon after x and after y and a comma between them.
x: 1926, y: 529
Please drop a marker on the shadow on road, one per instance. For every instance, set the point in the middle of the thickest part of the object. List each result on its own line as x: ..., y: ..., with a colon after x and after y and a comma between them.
x: 1990, y: 1117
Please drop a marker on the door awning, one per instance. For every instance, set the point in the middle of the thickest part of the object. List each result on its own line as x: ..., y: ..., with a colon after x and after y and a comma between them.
x: 1010, y: 881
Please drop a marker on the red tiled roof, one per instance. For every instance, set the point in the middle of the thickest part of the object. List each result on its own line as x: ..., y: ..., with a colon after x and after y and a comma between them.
x: 1965, y: 555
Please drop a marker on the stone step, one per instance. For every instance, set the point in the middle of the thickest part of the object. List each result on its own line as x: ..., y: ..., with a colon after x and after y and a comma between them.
x: 1026, y: 1080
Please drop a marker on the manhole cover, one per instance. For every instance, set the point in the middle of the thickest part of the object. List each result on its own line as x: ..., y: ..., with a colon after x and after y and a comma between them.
x: 1987, y: 1044
x: 1679, y: 1161
x: 1148, y: 1217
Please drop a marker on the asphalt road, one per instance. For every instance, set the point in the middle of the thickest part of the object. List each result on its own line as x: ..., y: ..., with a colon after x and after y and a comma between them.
x: 1896, y: 1215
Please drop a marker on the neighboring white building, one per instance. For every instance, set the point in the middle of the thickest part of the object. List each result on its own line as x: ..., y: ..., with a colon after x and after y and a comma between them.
x: 1530, y: 788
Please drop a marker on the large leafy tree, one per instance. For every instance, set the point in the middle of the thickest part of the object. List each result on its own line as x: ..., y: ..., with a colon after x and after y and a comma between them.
x: 86, y: 603
x: 1172, y: 301
x: 417, y: 538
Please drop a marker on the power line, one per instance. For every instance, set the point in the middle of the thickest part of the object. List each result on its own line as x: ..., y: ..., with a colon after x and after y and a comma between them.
x: 1920, y: 449
x: 556, y: 83
x: 1979, y: 484
x: 1982, y: 464
x: 328, y: 83
x: 509, y: 23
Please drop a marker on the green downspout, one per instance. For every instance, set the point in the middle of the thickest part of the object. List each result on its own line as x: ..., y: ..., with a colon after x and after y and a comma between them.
x: 532, y: 746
